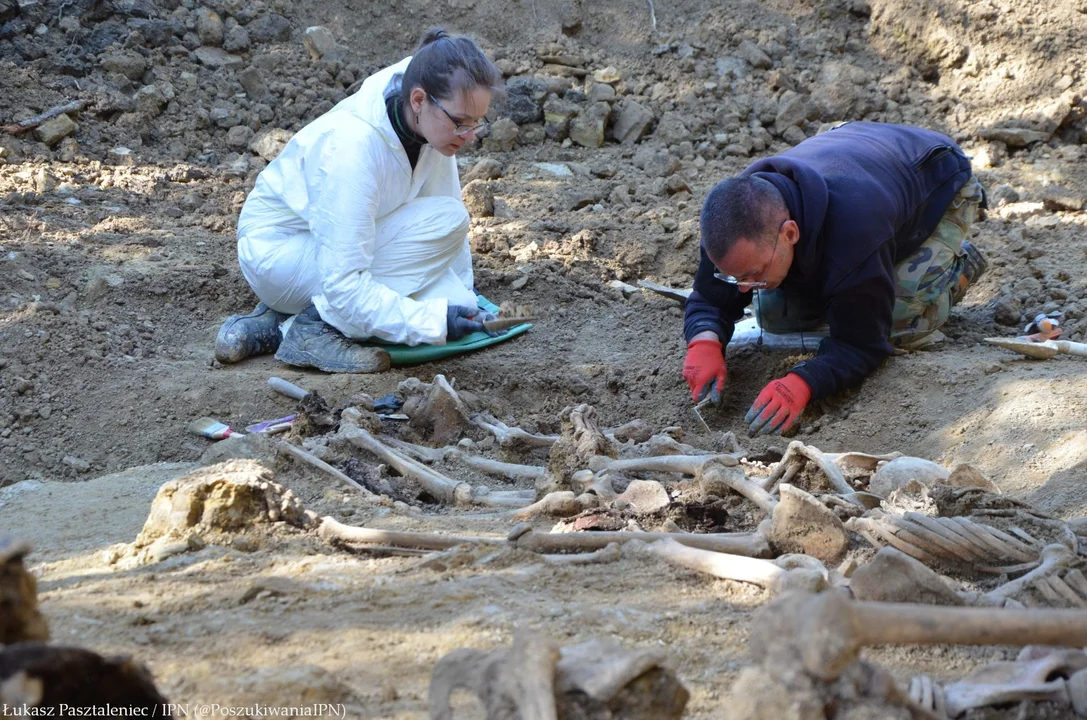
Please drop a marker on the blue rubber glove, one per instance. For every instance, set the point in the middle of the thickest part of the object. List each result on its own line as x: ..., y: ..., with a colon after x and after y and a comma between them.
x: 461, y: 321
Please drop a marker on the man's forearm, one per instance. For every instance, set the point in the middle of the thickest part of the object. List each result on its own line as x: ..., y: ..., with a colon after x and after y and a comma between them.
x: 706, y: 335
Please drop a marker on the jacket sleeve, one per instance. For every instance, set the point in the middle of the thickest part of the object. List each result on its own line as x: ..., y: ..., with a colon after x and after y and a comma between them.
x: 713, y: 305
x: 343, y: 179
x: 860, y: 319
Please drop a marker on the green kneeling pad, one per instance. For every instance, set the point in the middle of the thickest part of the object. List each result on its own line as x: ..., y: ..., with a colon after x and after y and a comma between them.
x: 401, y: 355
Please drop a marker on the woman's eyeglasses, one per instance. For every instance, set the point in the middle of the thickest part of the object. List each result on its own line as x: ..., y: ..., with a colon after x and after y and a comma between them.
x: 461, y: 129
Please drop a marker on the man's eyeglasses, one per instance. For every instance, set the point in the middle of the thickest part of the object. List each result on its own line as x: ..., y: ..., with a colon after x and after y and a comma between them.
x: 461, y: 129
x: 746, y: 281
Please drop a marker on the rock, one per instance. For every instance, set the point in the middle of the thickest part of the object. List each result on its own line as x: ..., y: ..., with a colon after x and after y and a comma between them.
x: 1056, y: 197
x: 587, y: 129
x: 269, y: 143
x: 646, y: 496
x: 751, y: 52
x: 209, y: 28
x: 56, y: 129
x: 1007, y: 311
x: 76, y: 464
x: 238, y: 137
x: 236, y: 39
x: 901, y: 471
x: 1020, y: 210
x: 556, y: 115
x: 69, y: 150
x: 671, y: 130
x: 792, y: 111
x: 802, y: 524
x: 794, y: 135
x: 524, y: 96
x: 322, y: 45
x: 225, y: 116
x: 269, y: 28
x: 1013, y: 137
x: 966, y: 475
x: 601, y: 92
x: 582, y: 198
x: 608, y: 75
x: 730, y: 67
x: 676, y: 183
x: 485, y: 169
x: 478, y: 198
x: 215, y: 57
x: 1002, y: 195
x: 655, y: 162
x: 840, y: 94
x: 252, y: 80
x: 502, y: 137
x: 126, y: 62
x: 120, y: 155
x: 894, y: 576
x: 150, y: 101
x: 632, y: 122
x: 21, y: 620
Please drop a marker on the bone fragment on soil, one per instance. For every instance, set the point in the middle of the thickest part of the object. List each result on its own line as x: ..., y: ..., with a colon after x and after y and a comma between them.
x: 316, y: 462
x: 1054, y: 557
x: 441, y: 415
x: 607, y: 554
x: 798, y: 452
x: 1041, y: 679
x: 510, y: 471
x: 20, y: 619
x: 715, y: 476
x: 579, y: 441
x: 557, y: 504
x: 747, y: 544
x: 512, y: 437
x: 894, y: 576
x: 763, y: 573
x: 680, y: 464
x: 534, y: 680
x: 335, y: 531
x: 802, y: 524
x: 444, y: 489
x: 822, y: 634
x: 635, y: 430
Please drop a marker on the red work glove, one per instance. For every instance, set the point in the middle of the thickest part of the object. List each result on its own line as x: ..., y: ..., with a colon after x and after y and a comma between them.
x: 705, y: 362
x: 778, y: 405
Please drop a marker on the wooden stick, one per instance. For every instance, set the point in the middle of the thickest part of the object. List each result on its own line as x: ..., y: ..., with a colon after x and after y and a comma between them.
x: 320, y: 464
x: 21, y: 127
x: 444, y: 489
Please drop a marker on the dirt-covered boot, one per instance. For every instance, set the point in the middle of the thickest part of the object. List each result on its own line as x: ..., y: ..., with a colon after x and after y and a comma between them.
x: 311, y: 342
x: 243, y: 336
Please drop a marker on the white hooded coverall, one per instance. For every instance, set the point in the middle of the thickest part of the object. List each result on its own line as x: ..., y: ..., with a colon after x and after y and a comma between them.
x: 338, y: 219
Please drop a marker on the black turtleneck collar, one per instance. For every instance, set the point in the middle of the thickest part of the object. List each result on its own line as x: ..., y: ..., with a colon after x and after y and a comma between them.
x: 412, y: 141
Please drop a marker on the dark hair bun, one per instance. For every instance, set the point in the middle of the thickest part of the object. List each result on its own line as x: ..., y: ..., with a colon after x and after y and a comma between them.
x: 433, y: 35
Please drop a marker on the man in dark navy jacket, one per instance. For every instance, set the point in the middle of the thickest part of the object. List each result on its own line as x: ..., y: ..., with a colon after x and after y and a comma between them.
x: 862, y: 228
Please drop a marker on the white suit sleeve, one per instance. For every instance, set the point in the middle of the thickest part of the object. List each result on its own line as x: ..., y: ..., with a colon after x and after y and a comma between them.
x: 342, y: 176
x: 445, y: 180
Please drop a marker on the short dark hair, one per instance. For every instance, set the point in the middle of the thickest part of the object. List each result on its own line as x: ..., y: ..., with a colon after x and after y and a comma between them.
x: 741, y: 207
x: 444, y: 63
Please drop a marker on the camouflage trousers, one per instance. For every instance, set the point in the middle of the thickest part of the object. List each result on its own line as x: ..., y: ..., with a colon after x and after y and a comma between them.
x: 927, y: 283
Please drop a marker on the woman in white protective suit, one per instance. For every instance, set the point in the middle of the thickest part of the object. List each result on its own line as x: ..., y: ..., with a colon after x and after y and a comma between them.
x: 357, y: 228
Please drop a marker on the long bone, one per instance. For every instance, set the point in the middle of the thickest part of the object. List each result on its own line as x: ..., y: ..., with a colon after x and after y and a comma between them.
x: 764, y: 573
x: 512, y: 437
x: 823, y: 633
x: 798, y: 452
x: 510, y: 471
x: 1037, y: 680
x: 524, y: 538
x: 1054, y: 557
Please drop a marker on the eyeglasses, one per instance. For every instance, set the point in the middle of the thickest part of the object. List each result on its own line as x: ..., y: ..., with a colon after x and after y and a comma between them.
x: 746, y: 281
x: 461, y: 129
